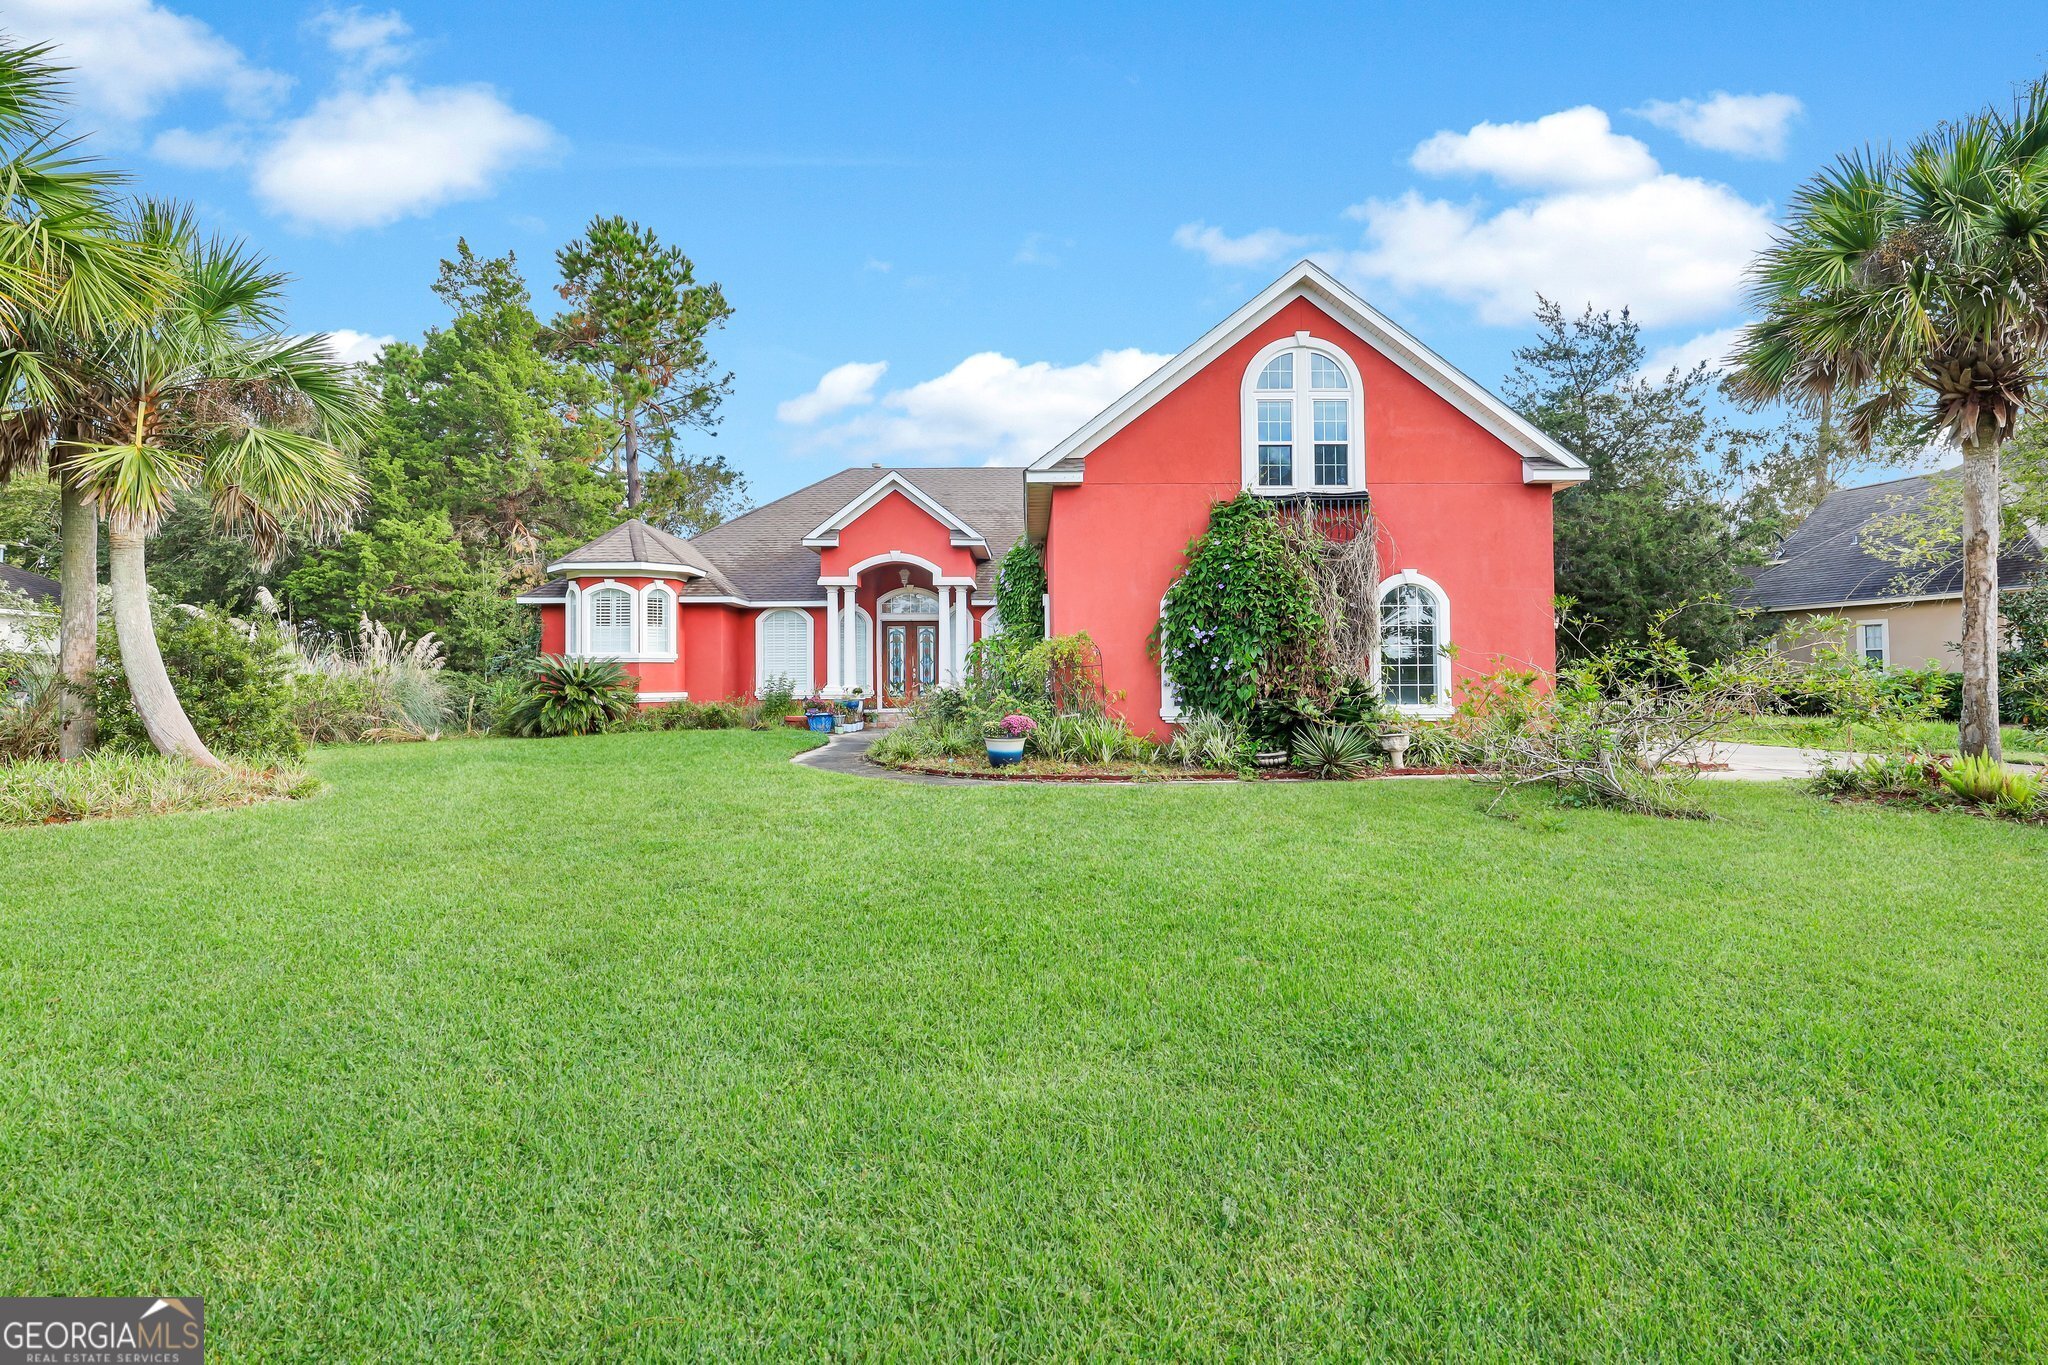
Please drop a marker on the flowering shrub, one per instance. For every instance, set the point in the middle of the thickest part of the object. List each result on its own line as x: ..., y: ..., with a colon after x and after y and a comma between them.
x: 1241, y: 623
x: 1016, y: 725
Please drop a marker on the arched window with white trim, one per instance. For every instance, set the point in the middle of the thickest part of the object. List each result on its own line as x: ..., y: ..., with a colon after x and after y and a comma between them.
x: 783, y: 651
x: 572, y: 622
x: 991, y: 623
x: 1415, y: 621
x: 611, y: 621
x: 1301, y: 419
x: 658, y: 613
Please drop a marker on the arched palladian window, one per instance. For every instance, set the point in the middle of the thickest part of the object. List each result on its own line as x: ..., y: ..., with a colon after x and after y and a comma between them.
x: 1301, y: 427
x: 572, y: 622
x: 910, y: 602
x: 991, y: 623
x: 1415, y: 623
x: 659, y: 611
x: 782, y: 651
x: 611, y: 621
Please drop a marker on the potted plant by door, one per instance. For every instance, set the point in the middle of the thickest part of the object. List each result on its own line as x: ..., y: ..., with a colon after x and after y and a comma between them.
x: 1005, y: 739
x: 819, y: 714
x: 850, y: 718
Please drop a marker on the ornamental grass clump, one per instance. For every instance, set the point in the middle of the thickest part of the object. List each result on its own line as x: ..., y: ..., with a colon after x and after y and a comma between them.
x: 571, y: 697
x: 112, y: 785
x: 1335, y: 751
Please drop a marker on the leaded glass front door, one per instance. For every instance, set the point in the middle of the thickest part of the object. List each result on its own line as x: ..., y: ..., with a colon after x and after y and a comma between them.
x: 910, y: 661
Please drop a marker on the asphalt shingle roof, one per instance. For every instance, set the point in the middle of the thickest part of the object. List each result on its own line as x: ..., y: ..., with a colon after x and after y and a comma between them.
x: 762, y: 552
x: 33, y: 586
x: 1825, y: 560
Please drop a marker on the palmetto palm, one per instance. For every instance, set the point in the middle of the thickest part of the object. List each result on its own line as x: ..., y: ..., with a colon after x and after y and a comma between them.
x: 1916, y: 285
x: 66, y: 270
x: 207, y: 393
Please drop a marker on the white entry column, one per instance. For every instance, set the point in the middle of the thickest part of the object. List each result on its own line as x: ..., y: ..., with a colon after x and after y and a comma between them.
x: 832, y: 637
x: 849, y: 651
x: 946, y: 678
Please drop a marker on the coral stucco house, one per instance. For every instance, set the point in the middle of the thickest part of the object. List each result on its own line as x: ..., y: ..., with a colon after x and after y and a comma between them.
x: 880, y: 579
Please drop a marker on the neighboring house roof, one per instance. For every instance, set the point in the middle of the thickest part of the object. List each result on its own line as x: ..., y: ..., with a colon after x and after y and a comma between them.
x: 1825, y: 563
x: 1543, y: 459
x: 33, y: 586
x: 763, y: 555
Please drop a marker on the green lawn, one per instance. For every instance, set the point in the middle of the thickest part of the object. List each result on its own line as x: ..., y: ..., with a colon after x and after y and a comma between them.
x: 654, y: 1045
x: 1936, y: 736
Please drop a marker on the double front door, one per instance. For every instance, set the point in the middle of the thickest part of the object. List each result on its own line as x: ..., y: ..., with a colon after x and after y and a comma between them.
x: 910, y: 661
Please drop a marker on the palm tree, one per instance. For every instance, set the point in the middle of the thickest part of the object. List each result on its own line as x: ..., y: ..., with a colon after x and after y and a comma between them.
x: 65, y: 270
x: 207, y: 393
x: 1915, y: 286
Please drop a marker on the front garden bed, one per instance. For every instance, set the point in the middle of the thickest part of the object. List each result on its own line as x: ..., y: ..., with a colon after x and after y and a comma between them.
x: 1042, y: 770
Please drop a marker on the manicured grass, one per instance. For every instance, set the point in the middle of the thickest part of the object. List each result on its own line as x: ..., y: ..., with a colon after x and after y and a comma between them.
x: 1936, y: 736
x: 656, y: 1046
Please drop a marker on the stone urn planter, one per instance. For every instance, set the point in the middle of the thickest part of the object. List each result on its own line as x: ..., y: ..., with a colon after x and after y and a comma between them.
x: 1396, y: 745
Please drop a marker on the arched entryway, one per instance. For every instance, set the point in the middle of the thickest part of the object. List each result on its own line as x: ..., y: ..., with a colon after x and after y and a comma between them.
x: 895, y: 627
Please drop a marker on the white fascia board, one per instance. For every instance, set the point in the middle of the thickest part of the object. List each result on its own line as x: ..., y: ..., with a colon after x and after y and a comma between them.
x: 825, y: 534
x: 1311, y: 281
x: 1533, y: 472
x: 627, y: 567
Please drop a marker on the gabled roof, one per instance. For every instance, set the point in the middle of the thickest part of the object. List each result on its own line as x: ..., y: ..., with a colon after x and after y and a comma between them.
x: 1824, y: 562
x: 1543, y: 460
x: 635, y: 547
x: 556, y: 590
x: 762, y: 552
x: 826, y: 532
x: 33, y: 586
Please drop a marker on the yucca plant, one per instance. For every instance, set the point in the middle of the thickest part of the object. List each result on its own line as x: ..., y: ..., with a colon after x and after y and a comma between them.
x: 570, y: 697
x: 1334, y: 751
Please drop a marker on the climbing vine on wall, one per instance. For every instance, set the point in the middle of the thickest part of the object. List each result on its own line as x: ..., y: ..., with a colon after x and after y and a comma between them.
x: 1020, y: 592
x: 1241, y: 623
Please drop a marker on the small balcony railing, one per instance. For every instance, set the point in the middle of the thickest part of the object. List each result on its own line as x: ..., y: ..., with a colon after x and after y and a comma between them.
x: 1340, y: 516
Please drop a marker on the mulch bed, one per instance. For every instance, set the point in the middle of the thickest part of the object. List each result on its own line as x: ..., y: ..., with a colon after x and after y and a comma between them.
x: 981, y: 774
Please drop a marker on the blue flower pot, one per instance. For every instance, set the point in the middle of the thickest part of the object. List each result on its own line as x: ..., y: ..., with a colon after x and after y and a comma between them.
x: 822, y: 723
x: 1003, y: 752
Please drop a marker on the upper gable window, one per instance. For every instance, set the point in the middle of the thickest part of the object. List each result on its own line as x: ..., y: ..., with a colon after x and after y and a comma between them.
x: 1301, y: 420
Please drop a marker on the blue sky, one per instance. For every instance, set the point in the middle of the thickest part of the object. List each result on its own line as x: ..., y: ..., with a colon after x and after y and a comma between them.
x: 951, y: 234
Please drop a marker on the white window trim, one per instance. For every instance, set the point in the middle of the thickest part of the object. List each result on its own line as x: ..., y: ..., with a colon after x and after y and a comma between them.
x: 1169, y: 698
x: 1441, y: 707
x: 1884, y: 629
x: 983, y: 630
x: 578, y: 627
x: 1303, y: 398
x: 882, y: 612
x: 804, y: 686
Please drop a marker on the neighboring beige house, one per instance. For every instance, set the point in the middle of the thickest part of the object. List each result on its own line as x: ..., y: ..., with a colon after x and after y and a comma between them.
x: 42, y: 594
x: 1898, y: 616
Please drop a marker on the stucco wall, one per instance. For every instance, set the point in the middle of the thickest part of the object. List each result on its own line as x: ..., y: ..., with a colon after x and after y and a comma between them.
x: 1919, y: 631
x: 1448, y: 494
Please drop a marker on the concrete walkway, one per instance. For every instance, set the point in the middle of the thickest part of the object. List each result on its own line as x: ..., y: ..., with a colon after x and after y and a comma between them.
x: 849, y: 754
x: 1766, y: 762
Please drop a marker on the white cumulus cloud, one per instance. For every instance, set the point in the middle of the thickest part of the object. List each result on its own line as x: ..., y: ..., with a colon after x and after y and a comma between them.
x: 1253, y: 248
x: 131, y: 57
x: 988, y: 409
x: 843, y: 386
x: 1671, y: 248
x: 367, y: 42
x: 1708, y: 348
x: 1743, y: 125
x: 363, y: 158
x: 1573, y: 148
x: 357, y: 348
x: 212, y: 150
